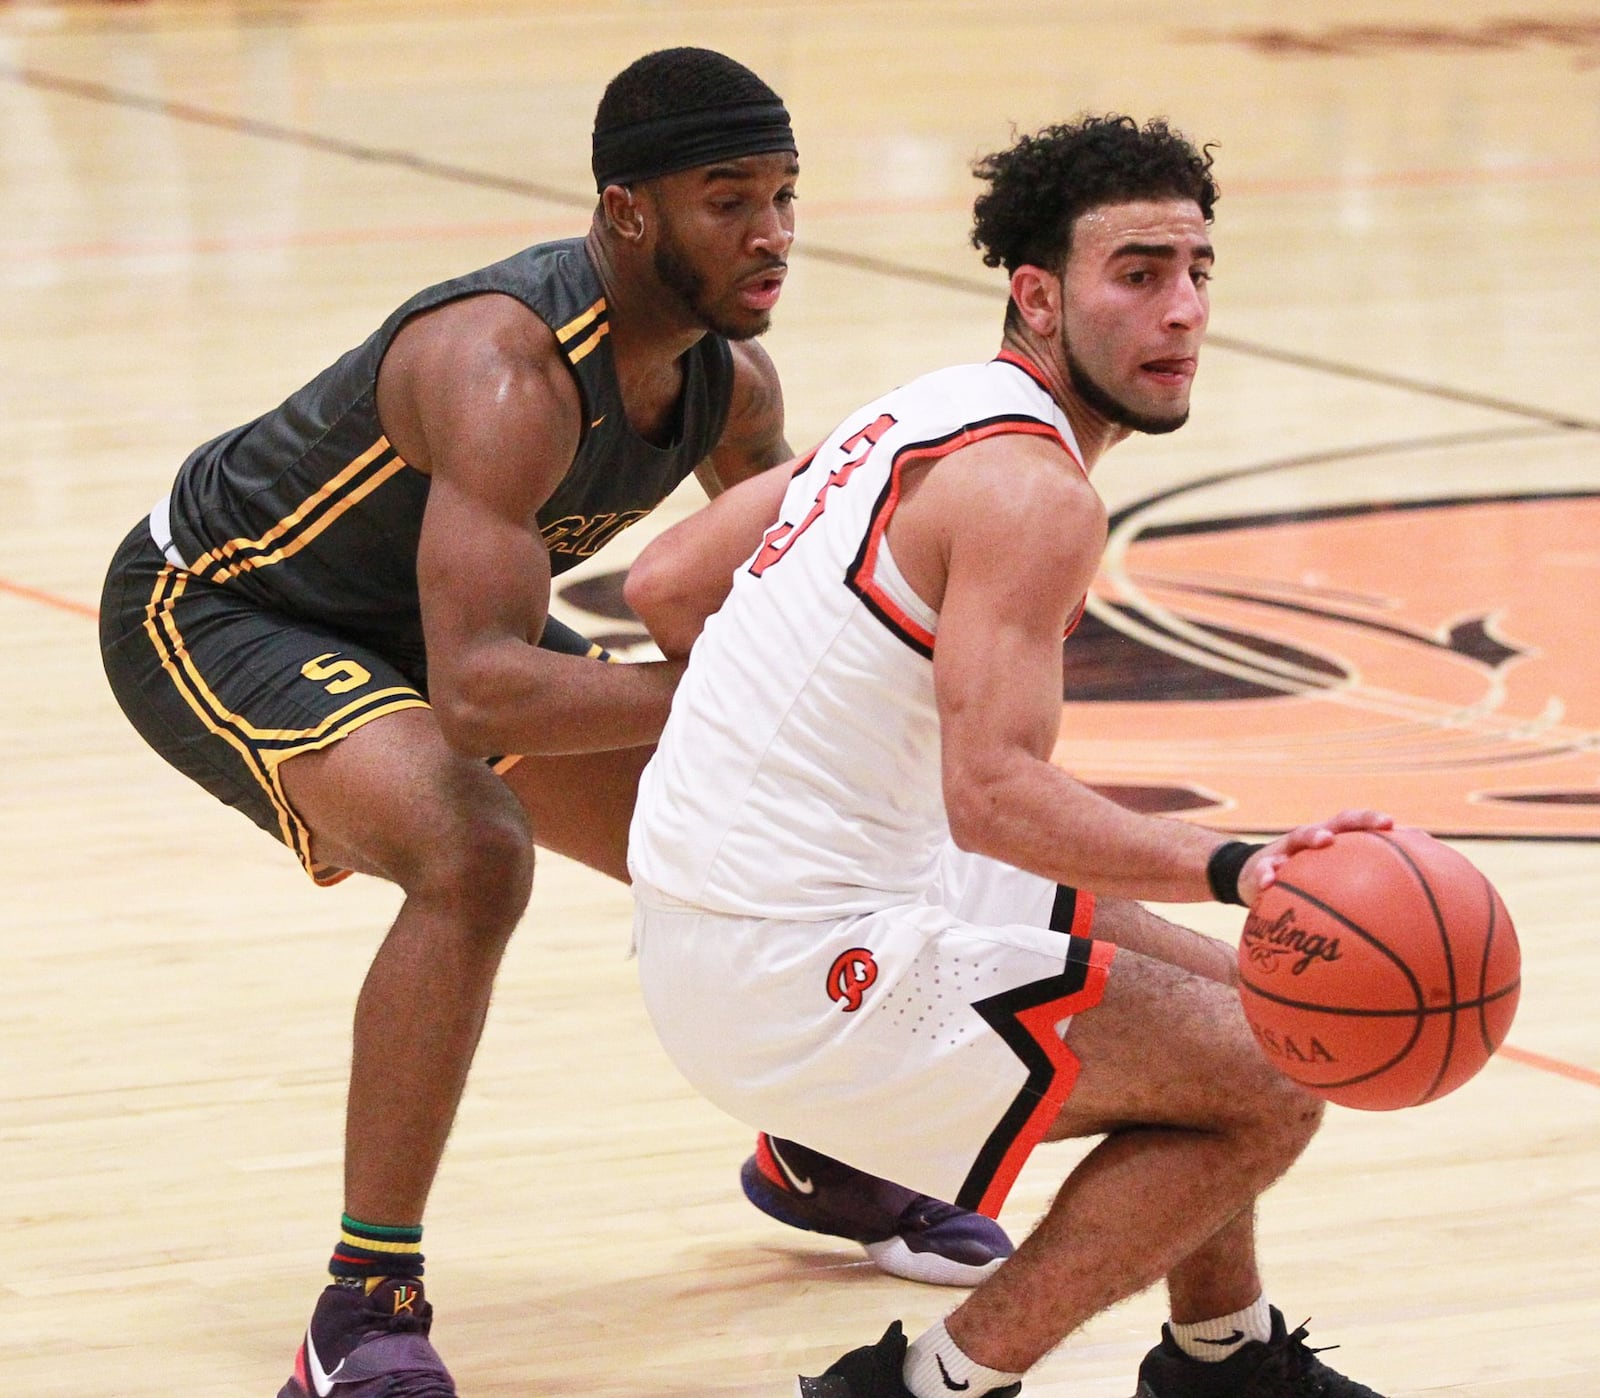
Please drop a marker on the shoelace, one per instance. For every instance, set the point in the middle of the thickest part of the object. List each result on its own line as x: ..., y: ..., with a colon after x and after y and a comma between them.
x: 1296, y: 1359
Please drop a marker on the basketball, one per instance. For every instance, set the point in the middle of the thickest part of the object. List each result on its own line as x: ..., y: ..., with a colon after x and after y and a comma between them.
x: 1381, y: 971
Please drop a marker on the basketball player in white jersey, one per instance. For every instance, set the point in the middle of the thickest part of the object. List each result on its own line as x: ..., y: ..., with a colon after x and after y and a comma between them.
x: 884, y: 677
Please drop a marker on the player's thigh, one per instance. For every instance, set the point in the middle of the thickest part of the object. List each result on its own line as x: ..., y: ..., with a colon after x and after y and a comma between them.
x: 393, y: 799
x: 580, y: 804
x: 1166, y: 1047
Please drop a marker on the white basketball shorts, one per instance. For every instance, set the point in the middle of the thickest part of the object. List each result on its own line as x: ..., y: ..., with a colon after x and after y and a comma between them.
x: 908, y: 1042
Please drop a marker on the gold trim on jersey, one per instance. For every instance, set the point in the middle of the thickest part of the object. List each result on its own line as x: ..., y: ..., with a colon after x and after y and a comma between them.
x: 245, y: 738
x: 295, y: 530
x: 573, y: 326
x: 577, y: 325
x: 601, y: 331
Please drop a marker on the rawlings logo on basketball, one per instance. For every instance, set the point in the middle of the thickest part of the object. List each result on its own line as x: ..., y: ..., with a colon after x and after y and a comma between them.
x: 1269, y: 944
x: 850, y: 977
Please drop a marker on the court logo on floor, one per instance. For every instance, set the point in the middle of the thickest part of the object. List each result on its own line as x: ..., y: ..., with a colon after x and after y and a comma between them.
x: 1430, y: 653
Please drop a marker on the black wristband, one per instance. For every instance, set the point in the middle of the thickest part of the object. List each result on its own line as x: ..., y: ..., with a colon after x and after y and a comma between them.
x: 1223, y: 868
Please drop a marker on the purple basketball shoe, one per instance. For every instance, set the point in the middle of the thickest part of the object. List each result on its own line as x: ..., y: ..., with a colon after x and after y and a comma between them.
x: 361, y: 1346
x: 905, y: 1233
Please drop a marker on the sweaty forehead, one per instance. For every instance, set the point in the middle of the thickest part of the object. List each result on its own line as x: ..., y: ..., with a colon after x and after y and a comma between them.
x: 1175, y: 223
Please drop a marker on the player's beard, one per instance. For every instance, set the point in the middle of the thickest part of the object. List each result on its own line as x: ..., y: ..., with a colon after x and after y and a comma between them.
x: 1102, y: 401
x: 678, y: 275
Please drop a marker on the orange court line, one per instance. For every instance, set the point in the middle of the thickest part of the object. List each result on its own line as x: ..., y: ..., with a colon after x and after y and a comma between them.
x: 1543, y: 1062
x: 1550, y: 1065
x: 49, y: 599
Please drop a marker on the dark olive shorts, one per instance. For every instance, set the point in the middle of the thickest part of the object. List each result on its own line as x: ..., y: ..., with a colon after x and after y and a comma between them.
x: 226, y: 690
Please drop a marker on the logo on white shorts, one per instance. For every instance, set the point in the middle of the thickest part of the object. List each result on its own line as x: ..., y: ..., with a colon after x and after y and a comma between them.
x: 850, y: 977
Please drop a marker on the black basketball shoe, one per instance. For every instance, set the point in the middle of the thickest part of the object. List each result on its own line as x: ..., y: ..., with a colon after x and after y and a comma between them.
x: 1284, y: 1367
x: 876, y: 1371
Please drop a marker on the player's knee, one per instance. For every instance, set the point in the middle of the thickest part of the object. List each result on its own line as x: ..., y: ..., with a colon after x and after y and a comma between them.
x: 1295, y: 1113
x: 1280, y: 1117
x: 481, y: 869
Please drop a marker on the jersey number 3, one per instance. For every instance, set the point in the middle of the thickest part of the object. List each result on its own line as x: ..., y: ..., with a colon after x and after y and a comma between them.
x: 781, y: 536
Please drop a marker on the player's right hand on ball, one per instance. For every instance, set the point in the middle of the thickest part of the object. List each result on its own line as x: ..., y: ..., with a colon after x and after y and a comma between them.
x: 1260, y: 871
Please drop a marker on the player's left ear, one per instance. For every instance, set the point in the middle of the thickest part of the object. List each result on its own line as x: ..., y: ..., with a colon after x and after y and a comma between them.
x: 1036, y: 293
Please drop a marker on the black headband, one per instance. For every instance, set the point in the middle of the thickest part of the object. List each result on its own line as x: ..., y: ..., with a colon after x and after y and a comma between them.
x: 666, y: 144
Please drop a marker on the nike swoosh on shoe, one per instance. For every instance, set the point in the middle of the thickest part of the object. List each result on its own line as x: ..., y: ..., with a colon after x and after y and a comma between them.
x: 322, y: 1380
x: 798, y: 1183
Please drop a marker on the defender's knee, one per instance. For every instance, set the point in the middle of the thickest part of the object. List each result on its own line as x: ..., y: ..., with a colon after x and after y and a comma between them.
x: 481, y: 869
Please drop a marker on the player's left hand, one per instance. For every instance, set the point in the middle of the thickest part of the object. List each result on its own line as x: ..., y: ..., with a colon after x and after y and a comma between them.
x: 1260, y: 871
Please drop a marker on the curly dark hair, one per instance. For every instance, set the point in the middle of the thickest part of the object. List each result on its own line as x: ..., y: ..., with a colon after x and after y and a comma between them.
x: 1041, y: 183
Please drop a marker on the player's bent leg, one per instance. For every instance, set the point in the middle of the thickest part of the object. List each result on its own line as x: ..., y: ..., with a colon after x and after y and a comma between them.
x: 392, y: 799
x: 1196, y: 1124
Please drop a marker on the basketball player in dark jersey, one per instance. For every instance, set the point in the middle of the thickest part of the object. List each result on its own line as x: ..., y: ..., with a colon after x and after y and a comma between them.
x: 336, y: 623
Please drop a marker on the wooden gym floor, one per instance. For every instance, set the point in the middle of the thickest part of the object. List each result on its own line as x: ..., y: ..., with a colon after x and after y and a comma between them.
x: 1367, y: 571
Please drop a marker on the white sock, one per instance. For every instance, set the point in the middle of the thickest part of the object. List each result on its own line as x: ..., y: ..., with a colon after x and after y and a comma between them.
x: 936, y: 1368
x: 1215, y: 1340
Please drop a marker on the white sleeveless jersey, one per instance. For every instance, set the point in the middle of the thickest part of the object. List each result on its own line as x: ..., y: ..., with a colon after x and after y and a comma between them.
x: 798, y: 776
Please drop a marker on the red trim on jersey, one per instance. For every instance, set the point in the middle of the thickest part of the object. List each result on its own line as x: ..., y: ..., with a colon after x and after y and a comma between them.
x: 1027, y: 366
x: 1039, y: 1022
x: 861, y: 575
